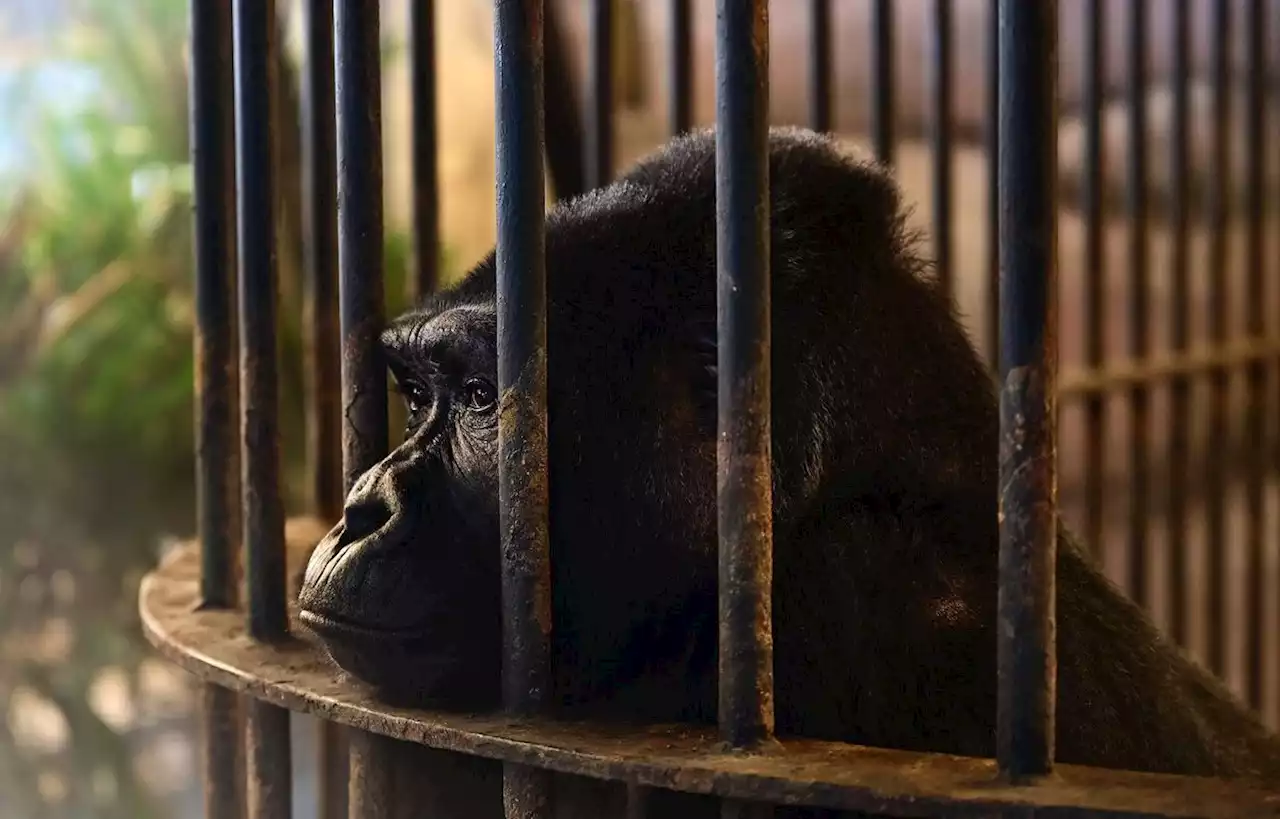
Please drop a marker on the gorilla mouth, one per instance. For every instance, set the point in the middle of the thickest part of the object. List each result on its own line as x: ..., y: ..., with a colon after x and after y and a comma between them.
x: 329, y: 626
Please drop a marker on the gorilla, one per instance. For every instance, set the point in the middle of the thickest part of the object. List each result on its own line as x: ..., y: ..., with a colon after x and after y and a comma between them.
x: 885, y: 429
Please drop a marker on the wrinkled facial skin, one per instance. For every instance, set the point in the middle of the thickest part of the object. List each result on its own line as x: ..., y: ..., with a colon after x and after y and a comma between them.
x: 404, y: 591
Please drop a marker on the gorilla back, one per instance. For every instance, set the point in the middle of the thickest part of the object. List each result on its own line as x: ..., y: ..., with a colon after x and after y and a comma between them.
x: 885, y: 466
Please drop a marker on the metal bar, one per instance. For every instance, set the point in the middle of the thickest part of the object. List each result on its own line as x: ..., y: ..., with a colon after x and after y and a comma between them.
x: 1179, y: 271
x: 270, y: 761
x: 320, y: 326
x: 560, y: 109
x: 1139, y: 303
x: 269, y: 789
x: 1028, y: 369
x: 1256, y: 372
x: 358, y: 92
x: 680, y: 68
x: 820, y: 65
x: 882, y: 95
x: 426, y: 195
x: 599, y: 111
x: 212, y: 113
x: 213, y: 158
x: 940, y: 87
x: 1168, y: 367
x: 1095, y: 270
x: 993, y: 184
x: 256, y: 153
x: 1216, y: 264
x: 522, y: 383
x: 744, y: 504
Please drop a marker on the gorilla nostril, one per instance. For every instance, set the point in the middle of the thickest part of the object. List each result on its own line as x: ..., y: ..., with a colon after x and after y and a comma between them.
x: 364, y: 518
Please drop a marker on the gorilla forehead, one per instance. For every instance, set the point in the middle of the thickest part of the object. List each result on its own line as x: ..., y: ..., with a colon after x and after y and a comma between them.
x: 436, y: 337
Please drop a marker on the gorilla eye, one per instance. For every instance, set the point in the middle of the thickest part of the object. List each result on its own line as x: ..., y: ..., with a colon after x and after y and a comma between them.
x: 416, y: 397
x: 480, y: 394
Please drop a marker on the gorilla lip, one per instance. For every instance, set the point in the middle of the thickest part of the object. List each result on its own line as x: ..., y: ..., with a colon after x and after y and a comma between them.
x: 325, y: 625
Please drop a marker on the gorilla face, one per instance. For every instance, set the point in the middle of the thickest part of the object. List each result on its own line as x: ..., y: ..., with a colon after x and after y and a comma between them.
x: 404, y: 591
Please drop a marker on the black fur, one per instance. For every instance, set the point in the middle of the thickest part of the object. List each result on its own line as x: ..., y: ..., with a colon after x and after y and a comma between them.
x: 885, y: 466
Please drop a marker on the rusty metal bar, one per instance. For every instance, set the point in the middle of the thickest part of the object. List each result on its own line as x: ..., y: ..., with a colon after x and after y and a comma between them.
x: 993, y: 184
x: 1095, y: 270
x: 1256, y: 372
x: 560, y: 109
x: 269, y: 791
x: 522, y: 383
x: 365, y: 434
x: 257, y: 161
x: 426, y: 196
x: 320, y: 328
x: 1139, y: 322
x: 1179, y: 272
x: 940, y: 88
x: 599, y: 110
x: 820, y: 65
x: 743, y: 327
x: 882, y: 73
x: 1028, y: 368
x: 212, y: 113
x: 680, y: 68
x: 1216, y: 265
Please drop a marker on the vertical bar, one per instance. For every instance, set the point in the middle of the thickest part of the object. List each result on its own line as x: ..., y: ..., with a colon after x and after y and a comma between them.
x: 1179, y: 271
x: 680, y: 68
x: 1139, y: 314
x: 599, y: 153
x: 560, y: 109
x: 743, y: 326
x: 882, y: 111
x: 1028, y: 369
x: 522, y: 382
x: 1095, y: 269
x: 257, y: 153
x: 320, y: 324
x: 1219, y: 178
x: 1256, y: 374
x: 358, y: 91
x: 993, y: 184
x: 212, y: 113
x: 426, y: 196
x: 820, y: 65
x: 940, y: 87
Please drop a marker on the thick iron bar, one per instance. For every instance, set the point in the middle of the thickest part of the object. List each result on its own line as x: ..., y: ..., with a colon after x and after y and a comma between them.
x: 522, y: 383
x: 358, y: 91
x: 940, y: 88
x: 320, y: 326
x: 1256, y: 371
x: 993, y: 184
x: 820, y: 65
x: 680, y: 68
x: 1094, y: 271
x: 257, y: 158
x: 1179, y: 272
x: 1139, y: 302
x: 1028, y: 369
x: 212, y: 112
x: 257, y: 161
x: 426, y: 196
x: 882, y: 94
x: 1216, y: 266
x: 743, y: 327
x: 560, y: 108
x: 599, y: 109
